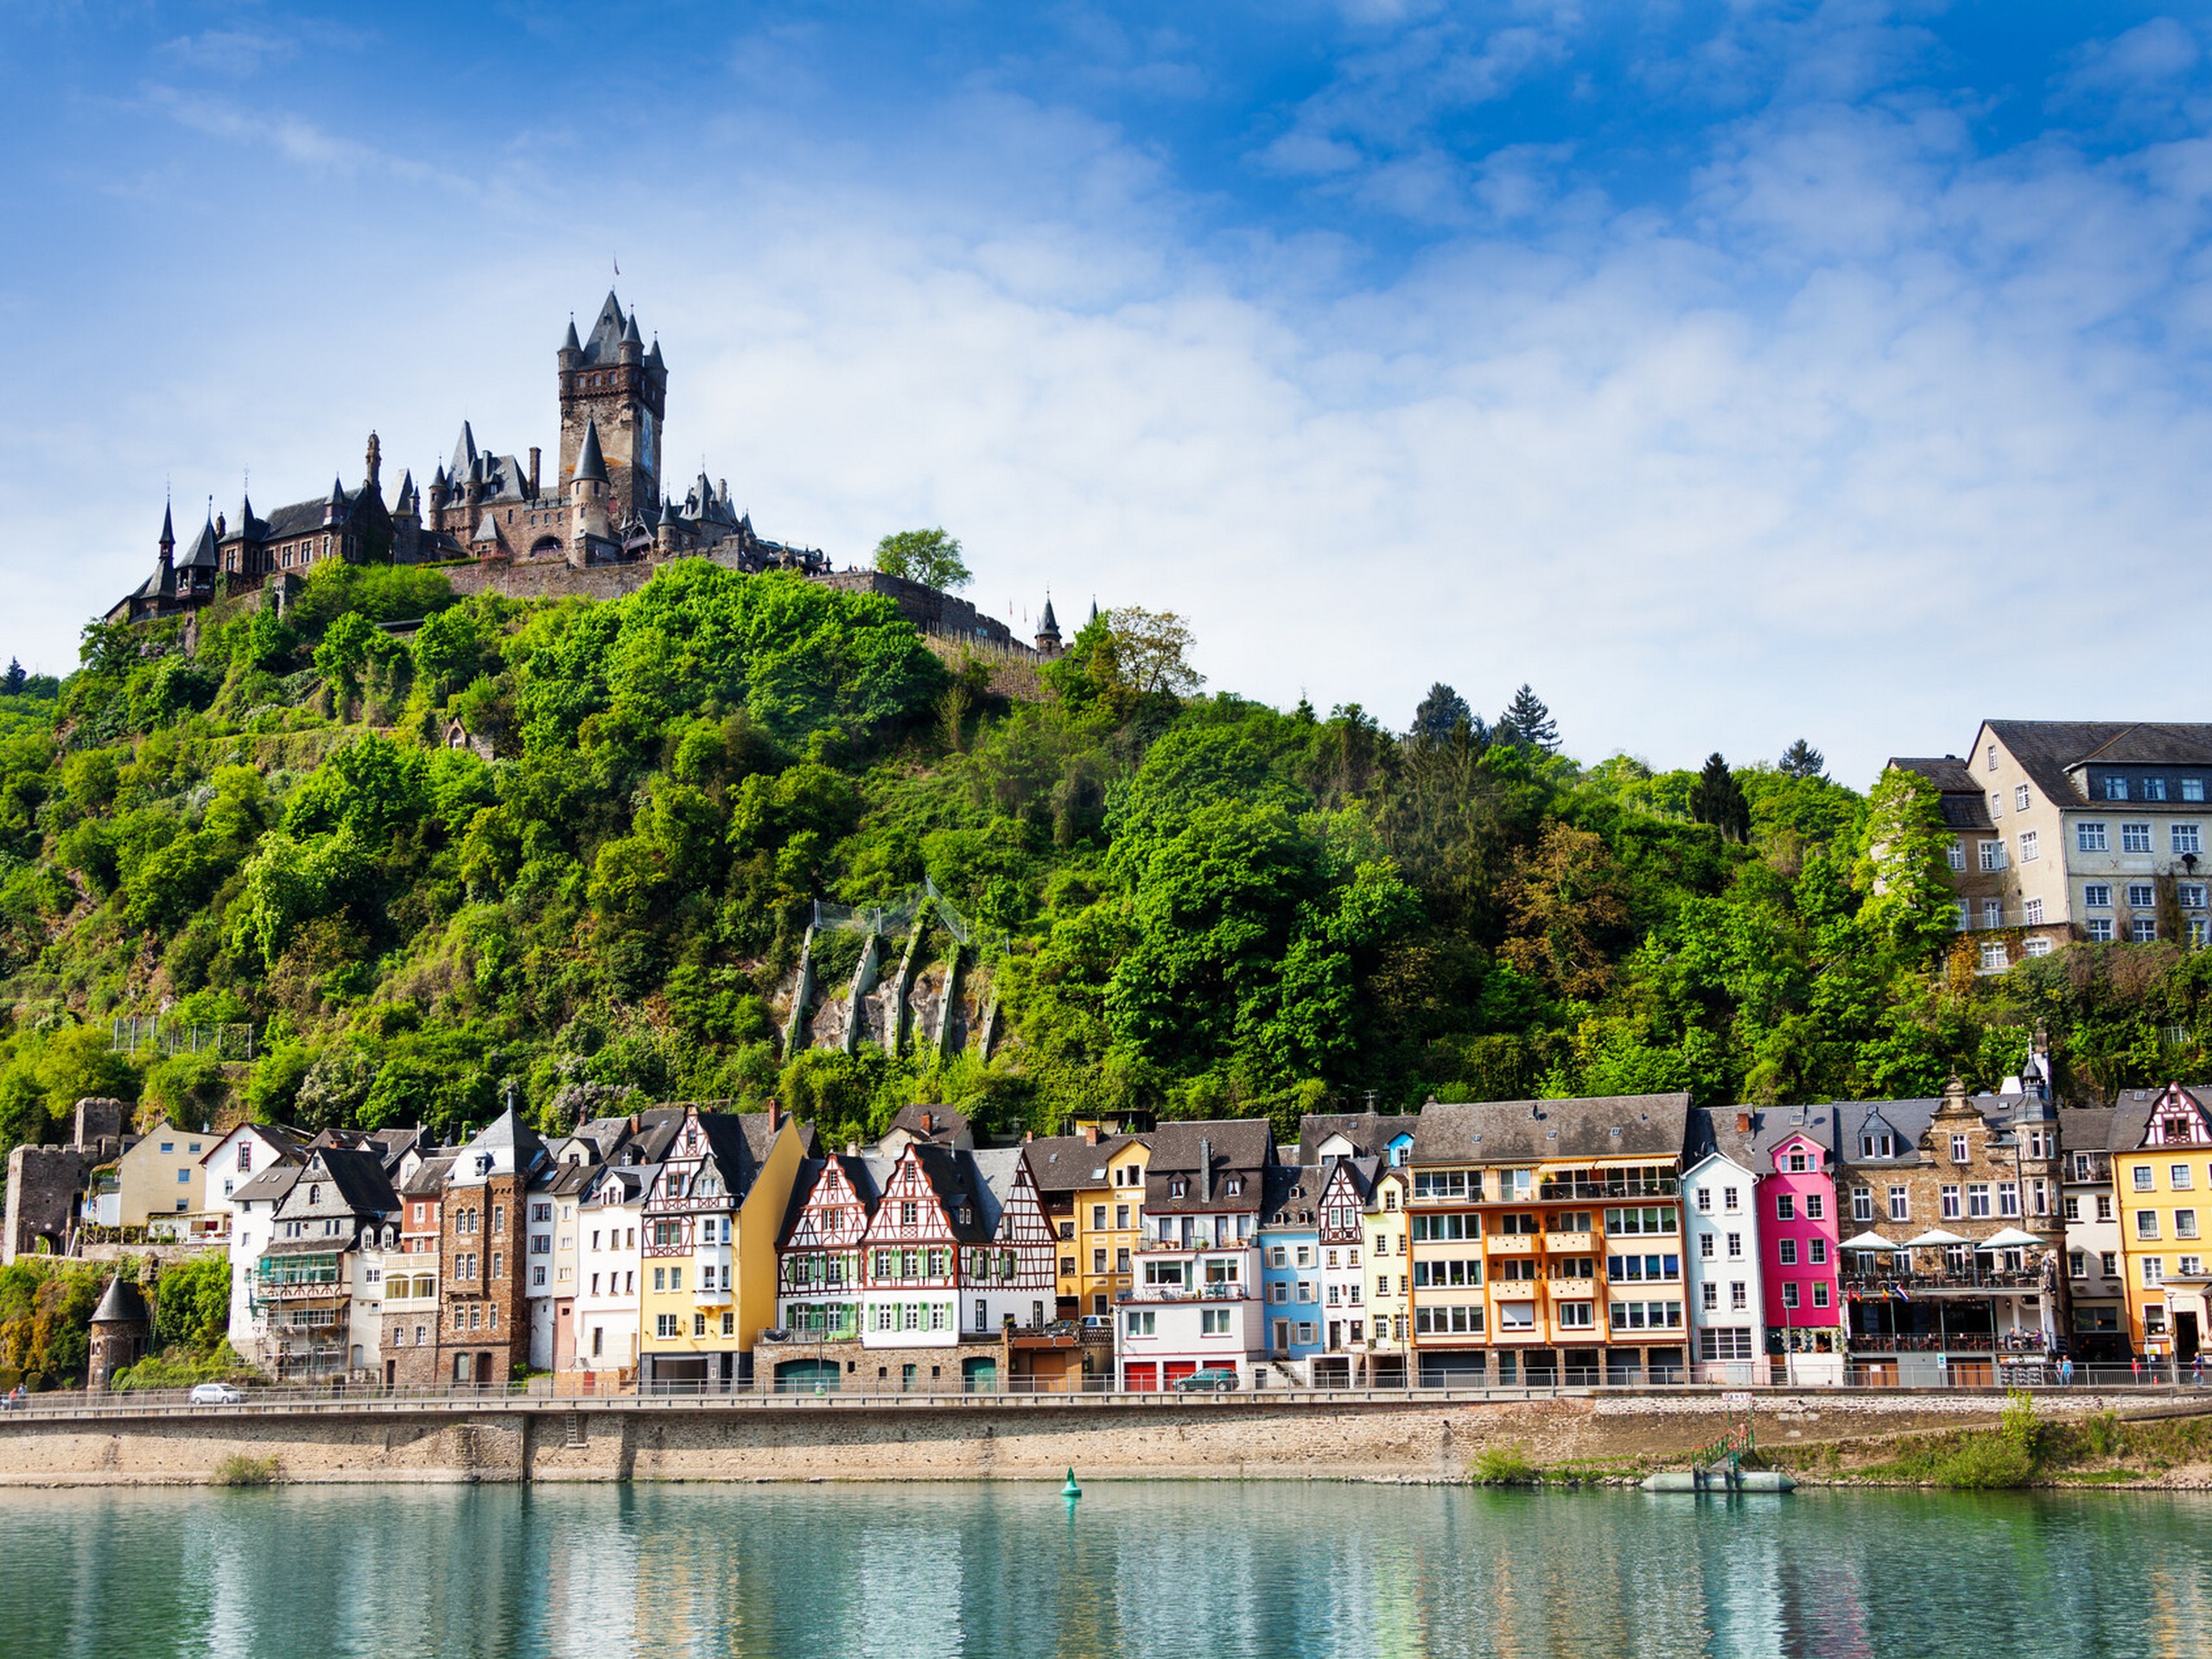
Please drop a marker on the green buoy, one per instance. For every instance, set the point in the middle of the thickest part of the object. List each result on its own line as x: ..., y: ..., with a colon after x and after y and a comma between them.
x: 1070, y: 1491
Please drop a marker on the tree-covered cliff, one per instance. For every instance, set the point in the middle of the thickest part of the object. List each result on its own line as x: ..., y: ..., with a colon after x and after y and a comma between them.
x: 1187, y: 902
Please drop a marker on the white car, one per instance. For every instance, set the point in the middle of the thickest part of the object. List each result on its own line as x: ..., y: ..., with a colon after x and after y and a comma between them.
x: 217, y: 1394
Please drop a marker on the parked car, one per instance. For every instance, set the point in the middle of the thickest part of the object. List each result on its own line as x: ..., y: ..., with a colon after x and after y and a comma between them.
x: 217, y: 1394
x: 1097, y: 1322
x: 1222, y: 1380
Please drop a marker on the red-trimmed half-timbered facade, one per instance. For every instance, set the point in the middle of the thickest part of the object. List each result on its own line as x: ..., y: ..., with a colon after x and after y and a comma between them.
x: 818, y: 1258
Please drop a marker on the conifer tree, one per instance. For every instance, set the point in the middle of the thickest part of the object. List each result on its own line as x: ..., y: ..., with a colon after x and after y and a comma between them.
x: 1442, y: 709
x: 1718, y: 799
x: 1801, y: 759
x: 1527, y: 722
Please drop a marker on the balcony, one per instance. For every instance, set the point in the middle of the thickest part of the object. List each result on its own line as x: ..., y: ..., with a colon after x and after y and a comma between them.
x: 1600, y: 1189
x: 2012, y: 1342
x: 1963, y: 1281
x: 1512, y: 1244
x: 1186, y: 1294
x: 1569, y: 1244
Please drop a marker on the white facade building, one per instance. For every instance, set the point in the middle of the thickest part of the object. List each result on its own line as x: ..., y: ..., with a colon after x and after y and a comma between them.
x: 1720, y: 1240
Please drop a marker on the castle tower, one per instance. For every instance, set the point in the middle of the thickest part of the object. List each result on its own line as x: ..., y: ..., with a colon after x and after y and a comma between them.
x: 1048, y: 632
x: 165, y: 561
x: 611, y: 381
x: 588, y: 497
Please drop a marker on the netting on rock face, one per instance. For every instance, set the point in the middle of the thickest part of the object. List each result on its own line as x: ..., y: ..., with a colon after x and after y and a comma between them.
x: 895, y: 917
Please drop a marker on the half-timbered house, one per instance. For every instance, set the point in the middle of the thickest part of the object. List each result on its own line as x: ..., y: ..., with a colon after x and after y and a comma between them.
x: 818, y: 1258
x: 1341, y: 1238
x: 707, y: 1276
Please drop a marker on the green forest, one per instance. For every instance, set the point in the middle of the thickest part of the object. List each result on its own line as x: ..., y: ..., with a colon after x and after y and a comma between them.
x: 1189, y: 903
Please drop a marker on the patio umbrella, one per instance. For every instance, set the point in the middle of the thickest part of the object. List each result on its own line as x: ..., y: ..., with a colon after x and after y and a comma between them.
x: 1866, y: 1240
x: 1934, y: 1238
x: 2011, y: 1238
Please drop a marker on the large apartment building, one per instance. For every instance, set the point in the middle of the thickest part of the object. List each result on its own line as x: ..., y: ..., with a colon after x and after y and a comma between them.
x: 2077, y: 830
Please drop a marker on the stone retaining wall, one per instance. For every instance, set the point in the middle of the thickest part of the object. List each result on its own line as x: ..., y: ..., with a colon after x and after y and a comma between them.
x: 1229, y: 1437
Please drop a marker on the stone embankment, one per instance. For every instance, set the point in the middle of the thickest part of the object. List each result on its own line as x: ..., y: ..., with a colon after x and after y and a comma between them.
x: 1386, y: 1437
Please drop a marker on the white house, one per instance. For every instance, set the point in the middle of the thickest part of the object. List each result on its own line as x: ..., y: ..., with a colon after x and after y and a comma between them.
x: 1720, y: 1227
x: 1196, y: 1303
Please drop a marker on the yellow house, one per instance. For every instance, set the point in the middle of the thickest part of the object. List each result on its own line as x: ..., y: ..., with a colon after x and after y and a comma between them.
x: 2161, y: 1171
x: 707, y: 1279
x: 1092, y: 1188
x: 160, y: 1176
x: 1389, y: 1282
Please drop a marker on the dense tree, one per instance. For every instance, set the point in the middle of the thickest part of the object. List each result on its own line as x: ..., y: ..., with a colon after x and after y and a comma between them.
x: 1801, y: 759
x: 930, y: 557
x: 1441, y: 712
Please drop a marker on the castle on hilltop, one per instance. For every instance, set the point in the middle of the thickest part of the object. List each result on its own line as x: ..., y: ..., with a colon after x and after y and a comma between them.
x: 605, y: 506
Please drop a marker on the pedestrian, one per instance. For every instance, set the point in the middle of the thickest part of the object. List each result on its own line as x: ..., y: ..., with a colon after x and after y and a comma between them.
x: 2135, y: 1364
x: 2196, y: 1371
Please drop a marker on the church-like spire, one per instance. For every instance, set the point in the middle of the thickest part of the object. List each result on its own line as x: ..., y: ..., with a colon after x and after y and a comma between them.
x: 168, y: 543
x: 590, y: 464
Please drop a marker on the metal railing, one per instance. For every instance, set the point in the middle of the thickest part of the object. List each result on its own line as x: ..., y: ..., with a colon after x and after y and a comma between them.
x: 1950, y: 1279
x: 556, y: 1395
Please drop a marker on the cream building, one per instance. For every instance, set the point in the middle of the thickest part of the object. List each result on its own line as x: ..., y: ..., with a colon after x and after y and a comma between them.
x: 2078, y: 829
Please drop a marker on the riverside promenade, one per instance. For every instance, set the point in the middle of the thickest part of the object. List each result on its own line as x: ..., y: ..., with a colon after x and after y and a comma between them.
x: 1360, y: 1435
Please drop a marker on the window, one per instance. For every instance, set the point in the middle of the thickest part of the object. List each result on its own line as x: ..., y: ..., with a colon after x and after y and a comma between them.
x: 665, y: 1326
x: 1519, y: 1316
x: 1900, y: 1205
x: 1862, y: 1204
x: 1732, y: 1343
x: 1994, y: 957
x: 2097, y: 895
x: 2187, y: 837
x: 1213, y: 1321
x: 2146, y: 1179
x: 1704, y: 1199
x: 2177, y: 1177
x: 2146, y: 1223
x: 2108, y: 1263
x: 1789, y: 1295
x: 1787, y: 1249
x: 2141, y: 895
x: 1992, y: 856
x: 2185, y: 1224
x: 1957, y: 854
x: 2030, y: 851
x: 2098, y: 929
x: 1978, y: 1201
x: 1877, y: 1146
x: 1950, y: 1202
x: 2143, y: 929
x: 1785, y: 1207
x: 2089, y: 838
x: 1960, y: 1154
x: 1738, y: 1296
x: 1735, y: 1247
x: 1728, y: 1199
x: 2190, y: 1267
x: 2008, y: 1199
x: 1819, y: 1292
x: 2077, y: 1264
x: 1097, y: 1218
x: 1996, y: 803
x: 1705, y: 1247
x: 2154, y: 1272
x: 1709, y: 1296
x: 2104, y: 1206
x: 1992, y: 757
x: 1798, y: 1163
x: 2189, y: 895
x: 1961, y: 917
x: 2134, y: 837
x: 1815, y: 1206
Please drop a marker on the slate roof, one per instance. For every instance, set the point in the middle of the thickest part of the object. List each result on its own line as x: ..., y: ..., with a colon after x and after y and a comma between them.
x: 1241, y: 1146
x: 428, y: 1180
x: 1965, y: 804
x: 2046, y: 749
x: 290, y: 1143
x: 122, y: 1304
x: 2131, y: 1117
x: 590, y: 464
x: 358, y: 1176
x: 956, y: 1179
x: 272, y: 1184
x: 949, y: 1124
x: 1369, y: 1132
x: 1290, y: 1192
x: 604, y: 343
x: 1550, y: 1131
x: 1064, y: 1163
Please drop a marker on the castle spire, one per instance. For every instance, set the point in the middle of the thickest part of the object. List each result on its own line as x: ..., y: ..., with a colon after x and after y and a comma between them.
x: 168, y: 543
x: 590, y: 464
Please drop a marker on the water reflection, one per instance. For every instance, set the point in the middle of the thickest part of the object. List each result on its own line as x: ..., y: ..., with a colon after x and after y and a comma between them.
x: 1162, y: 1568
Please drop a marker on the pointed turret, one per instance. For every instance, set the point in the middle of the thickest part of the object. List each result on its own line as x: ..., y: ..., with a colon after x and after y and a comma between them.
x: 1048, y: 630
x: 653, y: 358
x: 572, y: 344
x: 245, y: 513
x: 335, y: 508
x: 464, y: 451
x: 634, y: 343
x: 590, y: 464
x: 168, y: 543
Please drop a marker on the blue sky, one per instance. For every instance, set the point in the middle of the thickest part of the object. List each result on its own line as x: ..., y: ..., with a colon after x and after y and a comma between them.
x: 1731, y: 372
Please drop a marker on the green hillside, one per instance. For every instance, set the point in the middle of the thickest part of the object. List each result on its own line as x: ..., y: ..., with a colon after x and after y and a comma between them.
x: 1188, y: 903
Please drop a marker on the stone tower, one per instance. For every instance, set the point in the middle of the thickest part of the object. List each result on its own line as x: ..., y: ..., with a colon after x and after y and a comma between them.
x: 1048, y: 632
x: 589, y: 487
x: 612, y: 381
x: 118, y: 1333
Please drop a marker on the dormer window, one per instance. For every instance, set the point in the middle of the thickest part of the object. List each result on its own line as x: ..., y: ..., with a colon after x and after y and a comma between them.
x: 1233, y: 1185
x: 966, y: 1217
x: 1178, y: 1188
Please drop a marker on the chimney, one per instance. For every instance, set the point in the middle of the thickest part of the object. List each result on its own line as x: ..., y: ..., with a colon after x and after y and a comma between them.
x: 533, y: 472
x: 1742, y: 1122
x: 929, y: 1123
x: 775, y: 1107
x: 1091, y: 1134
x: 1205, y: 1174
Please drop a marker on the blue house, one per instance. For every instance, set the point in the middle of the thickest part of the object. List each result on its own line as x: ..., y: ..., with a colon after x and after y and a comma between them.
x: 1290, y: 1272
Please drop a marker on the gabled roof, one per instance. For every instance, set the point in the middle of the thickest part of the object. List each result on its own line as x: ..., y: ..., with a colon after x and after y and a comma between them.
x: 358, y: 1179
x: 959, y: 1185
x: 1547, y: 1131
x: 429, y: 1178
x: 272, y: 1183
x: 2048, y: 750
x: 286, y: 1142
x: 1290, y: 1192
x: 1067, y: 1163
x: 1242, y: 1149
x: 508, y: 1132
x: 203, y: 555
x: 999, y: 1170
x: 946, y: 1123
x: 1369, y: 1132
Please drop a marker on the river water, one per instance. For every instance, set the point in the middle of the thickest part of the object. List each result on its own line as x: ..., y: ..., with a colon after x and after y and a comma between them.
x: 1166, y: 1568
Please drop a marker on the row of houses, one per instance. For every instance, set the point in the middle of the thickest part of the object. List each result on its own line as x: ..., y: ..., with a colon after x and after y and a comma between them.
x: 1967, y: 1238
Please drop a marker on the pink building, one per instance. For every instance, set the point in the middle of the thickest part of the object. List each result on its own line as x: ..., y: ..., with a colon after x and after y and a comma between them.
x: 1798, y: 1254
